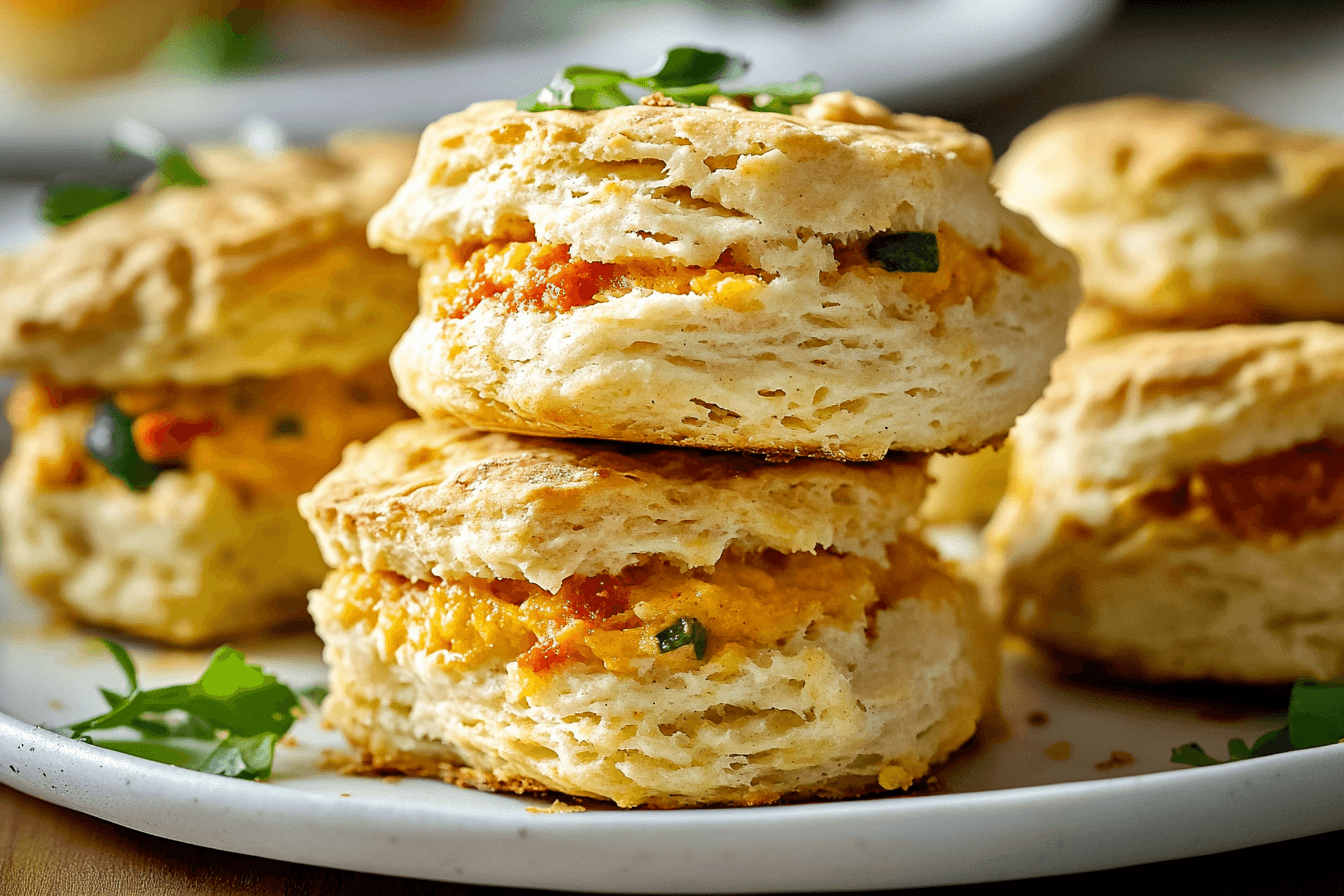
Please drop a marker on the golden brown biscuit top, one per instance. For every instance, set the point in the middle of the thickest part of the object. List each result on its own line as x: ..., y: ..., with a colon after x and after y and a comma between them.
x: 429, y: 499
x: 140, y: 287
x: 688, y: 183
x: 1134, y: 146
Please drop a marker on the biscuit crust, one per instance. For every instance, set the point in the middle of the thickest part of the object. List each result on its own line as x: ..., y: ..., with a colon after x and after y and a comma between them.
x: 1087, y: 562
x: 1184, y: 215
x: 836, y: 710
x: 429, y: 499
x: 261, y: 272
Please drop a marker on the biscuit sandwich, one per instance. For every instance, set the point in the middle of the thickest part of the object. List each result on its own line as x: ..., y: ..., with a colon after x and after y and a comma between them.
x: 1176, y: 506
x: 1184, y: 215
x: 195, y: 357
x: 840, y: 282
x: 651, y: 626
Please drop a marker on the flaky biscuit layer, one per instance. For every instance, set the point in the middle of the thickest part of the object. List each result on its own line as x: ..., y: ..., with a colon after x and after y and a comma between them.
x: 834, y: 711
x: 263, y: 271
x: 1184, y: 214
x: 430, y: 499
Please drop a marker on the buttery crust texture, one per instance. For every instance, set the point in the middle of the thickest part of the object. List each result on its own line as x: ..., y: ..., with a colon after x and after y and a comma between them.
x: 263, y: 271
x: 1102, y: 548
x: 184, y: 562
x: 833, y: 711
x: 429, y: 499
x: 742, y: 312
x: 1184, y: 215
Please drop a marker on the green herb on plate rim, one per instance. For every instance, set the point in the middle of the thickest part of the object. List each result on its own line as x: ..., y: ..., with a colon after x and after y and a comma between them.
x: 72, y: 195
x: 1315, y: 719
x: 228, y: 722
x: 687, y: 75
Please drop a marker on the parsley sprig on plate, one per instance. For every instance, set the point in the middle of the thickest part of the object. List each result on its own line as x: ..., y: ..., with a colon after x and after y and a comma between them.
x: 70, y: 196
x: 687, y: 75
x: 227, y: 722
x: 1315, y: 719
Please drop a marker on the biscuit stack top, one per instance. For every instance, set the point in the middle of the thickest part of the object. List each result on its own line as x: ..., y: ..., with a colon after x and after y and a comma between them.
x: 723, y: 278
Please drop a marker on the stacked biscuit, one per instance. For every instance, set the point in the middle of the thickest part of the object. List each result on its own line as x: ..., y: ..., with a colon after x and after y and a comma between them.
x: 1176, y: 504
x: 195, y: 357
x: 640, y: 619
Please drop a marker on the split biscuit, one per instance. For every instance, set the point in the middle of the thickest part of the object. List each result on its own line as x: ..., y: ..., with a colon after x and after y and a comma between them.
x: 653, y: 627
x: 1176, y: 506
x: 1184, y: 215
x: 195, y: 358
x: 701, y: 276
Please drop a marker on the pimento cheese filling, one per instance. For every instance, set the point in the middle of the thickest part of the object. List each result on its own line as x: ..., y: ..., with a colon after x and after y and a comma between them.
x: 742, y: 604
x: 529, y: 276
x: 1289, y: 493
x: 272, y: 437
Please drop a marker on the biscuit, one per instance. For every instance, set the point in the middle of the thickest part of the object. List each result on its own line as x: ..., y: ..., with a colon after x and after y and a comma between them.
x: 726, y: 651
x: 1184, y: 215
x: 212, y: 546
x: 262, y: 272
x: 1175, y: 507
x: 700, y: 277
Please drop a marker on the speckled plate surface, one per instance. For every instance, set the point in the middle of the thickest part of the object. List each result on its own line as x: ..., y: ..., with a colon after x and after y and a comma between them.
x: 1075, y: 778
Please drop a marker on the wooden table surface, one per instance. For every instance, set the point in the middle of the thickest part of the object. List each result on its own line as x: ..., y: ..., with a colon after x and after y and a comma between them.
x: 47, y: 850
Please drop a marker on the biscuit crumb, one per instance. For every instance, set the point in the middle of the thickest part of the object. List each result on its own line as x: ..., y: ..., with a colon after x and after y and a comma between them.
x: 1059, y: 750
x: 289, y: 740
x: 657, y: 99
x: 1119, y: 759
x: 337, y: 761
x: 1038, y: 718
x: 556, y: 808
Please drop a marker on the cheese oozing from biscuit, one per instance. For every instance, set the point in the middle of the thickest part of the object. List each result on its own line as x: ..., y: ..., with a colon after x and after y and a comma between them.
x: 745, y: 604
x: 265, y: 438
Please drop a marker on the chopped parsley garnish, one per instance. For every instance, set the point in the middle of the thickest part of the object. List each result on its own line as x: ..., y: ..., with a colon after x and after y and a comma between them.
x: 225, y: 723
x: 906, y: 251
x: 72, y: 195
x: 687, y: 75
x: 1315, y: 718
x: 110, y: 442
x: 681, y: 633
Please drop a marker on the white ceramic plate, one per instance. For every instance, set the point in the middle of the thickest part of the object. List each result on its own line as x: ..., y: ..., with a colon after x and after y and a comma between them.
x: 1013, y: 811
x: 918, y: 54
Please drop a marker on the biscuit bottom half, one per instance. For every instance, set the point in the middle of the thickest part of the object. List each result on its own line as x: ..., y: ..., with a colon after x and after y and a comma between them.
x: 1232, y: 574
x: 769, y: 676
x: 206, y: 542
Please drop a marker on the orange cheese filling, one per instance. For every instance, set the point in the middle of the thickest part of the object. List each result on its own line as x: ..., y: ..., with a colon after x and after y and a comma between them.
x: 263, y: 437
x: 544, y: 278
x: 1289, y: 493
x: 744, y: 604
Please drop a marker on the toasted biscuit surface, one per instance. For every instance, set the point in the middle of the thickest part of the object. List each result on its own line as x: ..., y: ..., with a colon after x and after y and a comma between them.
x: 686, y: 183
x: 263, y: 271
x: 835, y: 709
x: 1173, y: 505
x: 430, y: 499
x: 1184, y: 214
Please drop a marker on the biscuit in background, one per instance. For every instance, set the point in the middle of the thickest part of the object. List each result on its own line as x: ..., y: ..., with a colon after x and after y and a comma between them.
x: 656, y: 627
x: 1184, y: 215
x: 1176, y: 506
x: 196, y: 357
x: 717, y: 277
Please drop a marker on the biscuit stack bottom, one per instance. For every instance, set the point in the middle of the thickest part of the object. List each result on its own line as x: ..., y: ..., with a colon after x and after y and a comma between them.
x: 647, y: 627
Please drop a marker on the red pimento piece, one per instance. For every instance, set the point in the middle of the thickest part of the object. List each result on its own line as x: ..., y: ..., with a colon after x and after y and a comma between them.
x: 160, y: 436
